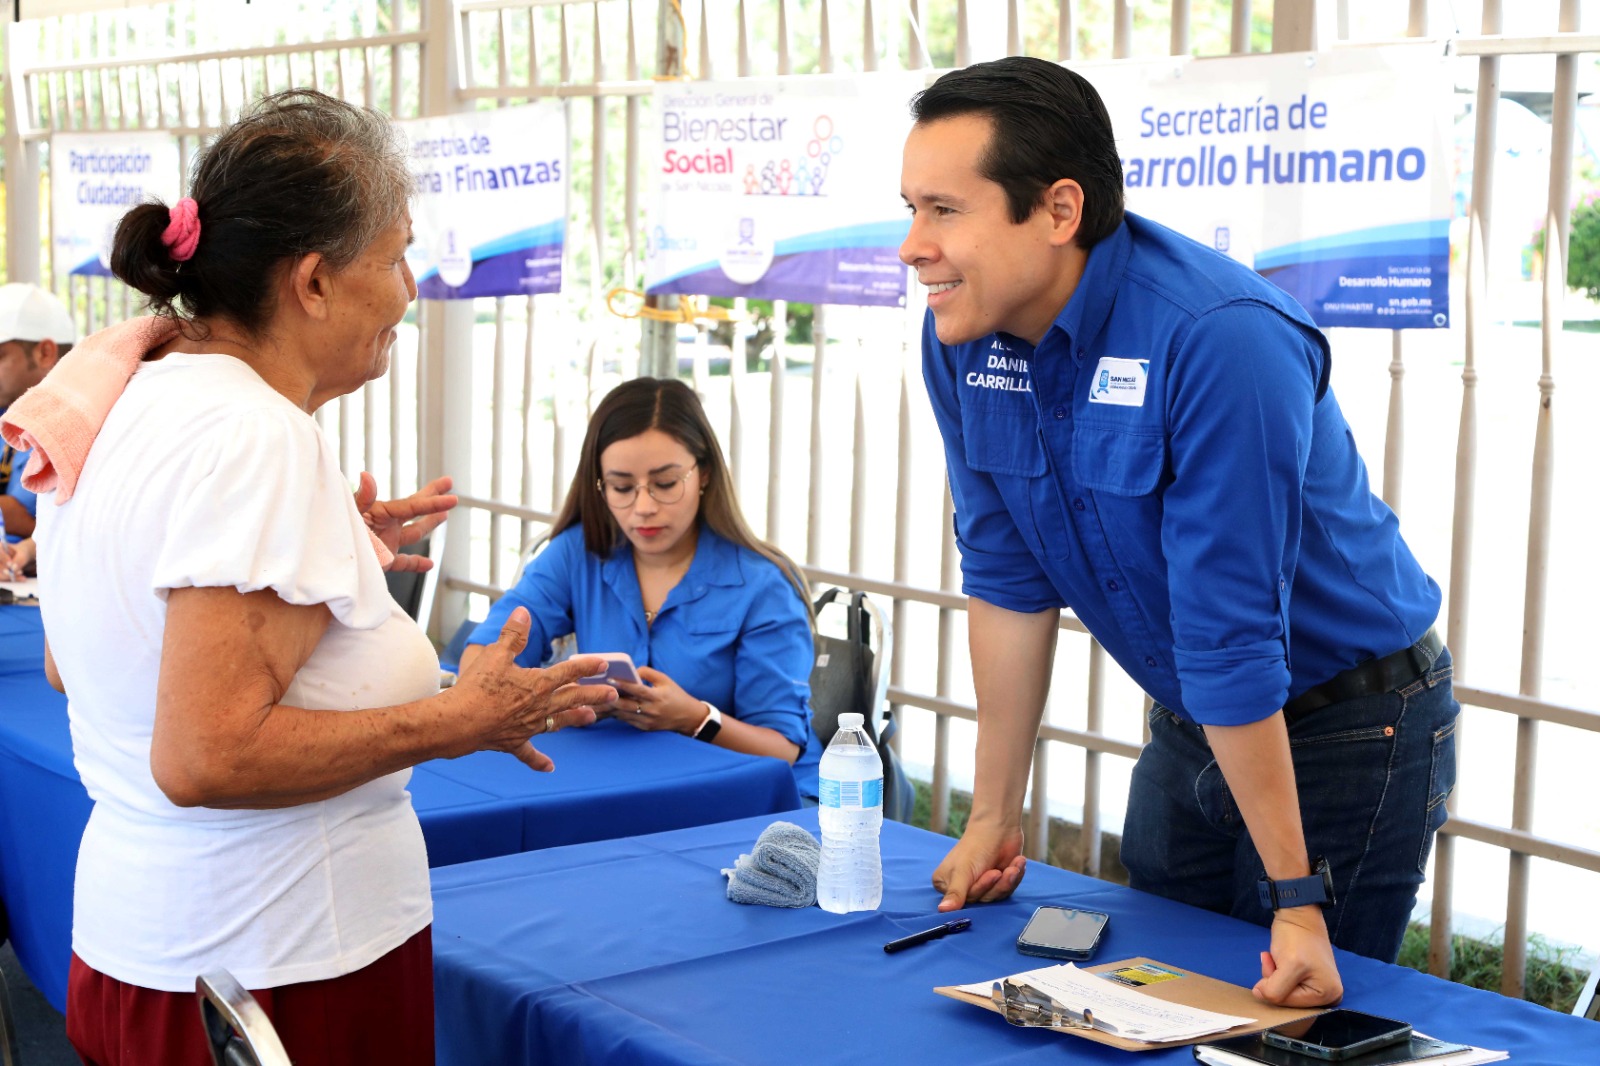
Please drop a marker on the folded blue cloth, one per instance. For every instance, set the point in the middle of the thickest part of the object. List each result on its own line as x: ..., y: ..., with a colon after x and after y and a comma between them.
x: 780, y: 871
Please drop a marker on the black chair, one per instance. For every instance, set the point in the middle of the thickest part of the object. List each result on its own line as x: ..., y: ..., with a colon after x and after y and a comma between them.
x: 412, y: 591
x: 9, y: 1056
x: 850, y: 674
x: 238, y: 1030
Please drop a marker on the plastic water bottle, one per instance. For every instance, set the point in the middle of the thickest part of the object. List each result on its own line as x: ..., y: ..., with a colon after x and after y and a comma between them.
x: 850, y: 876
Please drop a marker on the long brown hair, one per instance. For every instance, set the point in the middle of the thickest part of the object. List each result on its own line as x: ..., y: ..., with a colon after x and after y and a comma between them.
x: 635, y: 407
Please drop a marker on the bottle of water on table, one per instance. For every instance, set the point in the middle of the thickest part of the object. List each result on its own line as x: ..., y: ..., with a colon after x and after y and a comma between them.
x: 850, y: 875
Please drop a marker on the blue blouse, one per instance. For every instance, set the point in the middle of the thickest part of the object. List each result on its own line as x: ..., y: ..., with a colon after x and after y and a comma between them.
x: 732, y: 632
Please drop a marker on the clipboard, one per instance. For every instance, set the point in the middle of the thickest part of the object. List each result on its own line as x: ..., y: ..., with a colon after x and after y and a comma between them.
x: 1189, y: 989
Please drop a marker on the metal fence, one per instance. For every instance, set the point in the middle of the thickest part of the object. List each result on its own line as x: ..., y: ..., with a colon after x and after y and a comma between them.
x: 831, y: 443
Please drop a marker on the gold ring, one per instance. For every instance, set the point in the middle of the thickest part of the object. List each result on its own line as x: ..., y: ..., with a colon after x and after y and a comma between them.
x: 549, y: 723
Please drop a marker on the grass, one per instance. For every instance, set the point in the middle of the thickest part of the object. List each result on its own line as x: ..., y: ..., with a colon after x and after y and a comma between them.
x: 1551, y: 981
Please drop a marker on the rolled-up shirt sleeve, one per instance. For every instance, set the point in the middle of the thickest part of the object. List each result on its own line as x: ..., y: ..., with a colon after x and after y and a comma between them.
x: 1245, y: 383
x: 996, y: 564
x: 772, y: 658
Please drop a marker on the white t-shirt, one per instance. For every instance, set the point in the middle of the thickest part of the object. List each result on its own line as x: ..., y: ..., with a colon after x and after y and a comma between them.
x: 204, y: 476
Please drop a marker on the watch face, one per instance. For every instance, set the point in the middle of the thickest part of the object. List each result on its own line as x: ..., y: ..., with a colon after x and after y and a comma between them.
x: 710, y: 730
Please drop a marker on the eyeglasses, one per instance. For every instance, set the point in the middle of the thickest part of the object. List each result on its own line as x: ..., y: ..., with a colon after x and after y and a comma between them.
x: 666, y: 490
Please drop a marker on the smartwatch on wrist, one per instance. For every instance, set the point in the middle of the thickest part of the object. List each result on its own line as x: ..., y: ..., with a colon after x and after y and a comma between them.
x: 710, y: 726
x: 1298, y: 891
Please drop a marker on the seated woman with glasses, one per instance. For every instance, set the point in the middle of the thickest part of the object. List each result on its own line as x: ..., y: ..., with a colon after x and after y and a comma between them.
x: 651, y: 555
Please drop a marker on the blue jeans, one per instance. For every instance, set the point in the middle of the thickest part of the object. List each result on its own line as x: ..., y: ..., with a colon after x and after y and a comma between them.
x: 1373, y: 775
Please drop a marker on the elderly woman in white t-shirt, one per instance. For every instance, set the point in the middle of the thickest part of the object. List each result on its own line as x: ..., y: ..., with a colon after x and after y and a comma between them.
x: 245, y: 696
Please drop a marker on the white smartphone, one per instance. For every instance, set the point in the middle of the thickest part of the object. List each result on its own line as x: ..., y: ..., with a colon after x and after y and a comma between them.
x: 619, y: 667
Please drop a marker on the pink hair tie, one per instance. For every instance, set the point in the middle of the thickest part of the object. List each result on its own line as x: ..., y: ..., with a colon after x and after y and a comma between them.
x: 182, y: 234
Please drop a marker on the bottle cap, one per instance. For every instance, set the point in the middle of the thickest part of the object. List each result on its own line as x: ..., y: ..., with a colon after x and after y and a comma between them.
x: 850, y: 720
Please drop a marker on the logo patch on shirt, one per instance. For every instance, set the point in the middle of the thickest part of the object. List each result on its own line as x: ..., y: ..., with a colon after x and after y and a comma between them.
x: 1119, y: 381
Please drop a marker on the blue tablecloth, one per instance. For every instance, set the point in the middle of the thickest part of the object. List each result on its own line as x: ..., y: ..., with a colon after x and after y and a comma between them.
x: 627, y: 951
x: 610, y: 780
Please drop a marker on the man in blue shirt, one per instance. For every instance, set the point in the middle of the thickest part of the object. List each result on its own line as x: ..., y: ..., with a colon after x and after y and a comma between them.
x: 35, y: 331
x: 1141, y: 429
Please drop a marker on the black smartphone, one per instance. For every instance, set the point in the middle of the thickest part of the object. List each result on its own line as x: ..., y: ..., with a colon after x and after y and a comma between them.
x: 1063, y: 933
x: 1338, y: 1034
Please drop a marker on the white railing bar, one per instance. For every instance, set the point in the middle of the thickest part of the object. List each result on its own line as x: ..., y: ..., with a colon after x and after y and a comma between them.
x: 470, y: 6
x: 1497, y: 45
x: 1037, y: 839
x: 526, y: 514
x: 869, y: 41
x: 461, y: 584
x: 858, y: 479
x: 780, y: 361
x: 950, y: 709
x: 1094, y: 721
x: 916, y: 54
x: 525, y: 486
x: 1528, y: 707
x: 706, y: 62
x: 1479, y: 217
x: 1521, y: 842
x: 379, y: 41
x: 819, y: 345
x: 902, y: 536
x: 497, y: 431
x: 785, y: 63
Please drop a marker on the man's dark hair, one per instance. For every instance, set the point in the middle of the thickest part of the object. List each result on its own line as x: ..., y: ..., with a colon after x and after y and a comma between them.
x: 1049, y: 123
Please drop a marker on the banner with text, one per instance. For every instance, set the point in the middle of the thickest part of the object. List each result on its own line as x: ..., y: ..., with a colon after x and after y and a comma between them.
x: 488, y: 201
x: 1327, y: 173
x: 95, y: 178
x: 781, y: 188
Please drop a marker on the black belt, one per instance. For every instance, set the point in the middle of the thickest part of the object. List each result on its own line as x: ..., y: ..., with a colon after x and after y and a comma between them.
x: 1373, y: 676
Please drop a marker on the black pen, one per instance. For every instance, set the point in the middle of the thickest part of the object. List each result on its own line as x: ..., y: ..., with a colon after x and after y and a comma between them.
x: 927, y: 934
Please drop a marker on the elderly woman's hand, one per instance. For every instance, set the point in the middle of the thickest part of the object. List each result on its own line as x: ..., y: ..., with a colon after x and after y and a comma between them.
x: 407, y: 520
x: 521, y: 703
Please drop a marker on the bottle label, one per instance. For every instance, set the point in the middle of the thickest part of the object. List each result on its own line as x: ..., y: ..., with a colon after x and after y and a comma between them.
x: 841, y: 794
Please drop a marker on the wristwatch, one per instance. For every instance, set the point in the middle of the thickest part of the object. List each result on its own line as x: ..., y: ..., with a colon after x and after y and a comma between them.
x: 1298, y: 891
x: 710, y: 726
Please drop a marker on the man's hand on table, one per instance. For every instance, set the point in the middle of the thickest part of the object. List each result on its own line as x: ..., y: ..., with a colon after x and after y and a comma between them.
x: 1299, y: 970
x: 985, y: 865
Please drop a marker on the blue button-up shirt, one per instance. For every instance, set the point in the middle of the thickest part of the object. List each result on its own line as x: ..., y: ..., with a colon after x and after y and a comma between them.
x: 11, y: 483
x: 733, y: 631
x: 1170, y: 463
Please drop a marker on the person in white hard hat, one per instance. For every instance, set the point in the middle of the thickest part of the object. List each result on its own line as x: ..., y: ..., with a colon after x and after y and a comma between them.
x: 36, y: 330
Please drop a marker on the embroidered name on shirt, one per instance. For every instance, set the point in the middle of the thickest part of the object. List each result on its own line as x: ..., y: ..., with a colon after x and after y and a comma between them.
x: 1119, y: 381
x: 1007, y: 382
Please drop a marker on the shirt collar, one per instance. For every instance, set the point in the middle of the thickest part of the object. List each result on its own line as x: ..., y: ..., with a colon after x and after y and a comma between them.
x: 716, y: 562
x: 1086, y: 312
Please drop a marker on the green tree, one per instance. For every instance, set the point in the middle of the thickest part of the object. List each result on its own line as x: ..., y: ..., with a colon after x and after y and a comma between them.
x: 1583, y: 248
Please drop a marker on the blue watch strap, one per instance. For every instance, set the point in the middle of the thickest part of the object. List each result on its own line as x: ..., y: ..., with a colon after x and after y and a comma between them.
x: 1298, y: 891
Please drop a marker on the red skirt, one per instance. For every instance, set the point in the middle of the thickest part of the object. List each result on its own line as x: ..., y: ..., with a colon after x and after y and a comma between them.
x: 380, y: 1013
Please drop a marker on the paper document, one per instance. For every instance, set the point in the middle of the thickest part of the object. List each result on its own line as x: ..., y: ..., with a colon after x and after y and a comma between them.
x: 1126, y: 1012
x: 27, y: 589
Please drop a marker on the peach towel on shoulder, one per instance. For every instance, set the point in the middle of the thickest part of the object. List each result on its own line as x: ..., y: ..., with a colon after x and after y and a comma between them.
x: 59, y: 418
